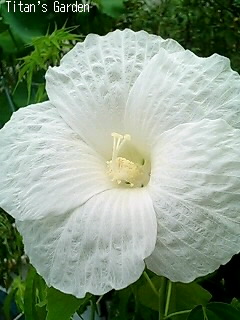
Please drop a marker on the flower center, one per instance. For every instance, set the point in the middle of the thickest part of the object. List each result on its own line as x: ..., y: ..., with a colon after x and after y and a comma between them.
x: 131, y: 172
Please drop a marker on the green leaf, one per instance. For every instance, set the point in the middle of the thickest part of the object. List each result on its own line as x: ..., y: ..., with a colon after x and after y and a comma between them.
x: 146, y: 295
x: 7, y: 43
x: 112, y: 8
x: 41, y: 93
x: 186, y: 296
x: 47, y: 50
x: 183, y: 296
x: 30, y: 297
x: 41, y: 297
x: 19, y: 286
x: 20, y: 95
x: 5, y: 111
x: 119, y: 308
x: 3, y: 26
x: 84, y: 303
x: 35, y: 296
x: 236, y: 303
x: 7, y: 304
x: 61, y: 305
x: 25, y: 25
x: 214, y: 311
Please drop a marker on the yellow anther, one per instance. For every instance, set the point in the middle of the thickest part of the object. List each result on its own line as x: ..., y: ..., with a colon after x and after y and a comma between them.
x: 127, y: 137
x: 122, y: 170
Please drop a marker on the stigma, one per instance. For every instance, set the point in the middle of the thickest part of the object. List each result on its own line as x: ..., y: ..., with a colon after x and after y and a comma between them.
x: 127, y: 172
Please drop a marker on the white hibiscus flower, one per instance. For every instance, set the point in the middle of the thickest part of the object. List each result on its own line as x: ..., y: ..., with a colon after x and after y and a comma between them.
x: 134, y: 160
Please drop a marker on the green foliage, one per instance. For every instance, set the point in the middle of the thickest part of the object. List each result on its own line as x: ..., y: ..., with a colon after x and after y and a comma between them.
x: 214, y: 311
x: 5, y: 103
x: 47, y: 51
x: 35, y: 296
x: 29, y: 44
x: 22, y: 25
x: 141, y: 300
x: 121, y: 302
x: 236, y: 304
x: 138, y: 301
x: 11, y: 249
x: 186, y: 296
x: 205, y: 27
x: 112, y: 8
x: 63, y: 306
x: 183, y: 296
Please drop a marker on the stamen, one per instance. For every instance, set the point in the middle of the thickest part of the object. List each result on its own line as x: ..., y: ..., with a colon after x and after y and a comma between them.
x: 122, y: 170
x: 118, y: 142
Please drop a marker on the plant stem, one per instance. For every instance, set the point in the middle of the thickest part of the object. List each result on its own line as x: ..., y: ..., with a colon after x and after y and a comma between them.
x: 162, y: 298
x: 18, y: 316
x: 177, y: 313
x: 8, y: 96
x: 13, y: 38
x: 92, y: 310
x: 204, y: 313
x: 150, y: 283
x: 99, y: 299
x: 169, y: 291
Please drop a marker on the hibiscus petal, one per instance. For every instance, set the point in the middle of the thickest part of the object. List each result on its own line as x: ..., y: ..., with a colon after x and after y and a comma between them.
x: 91, y: 86
x: 46, y: 169
x: 98, y: 247
x: 178, y: 88
x: 195, y: 188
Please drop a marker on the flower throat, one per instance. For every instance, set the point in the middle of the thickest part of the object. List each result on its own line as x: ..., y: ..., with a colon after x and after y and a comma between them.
x: 127, y: 167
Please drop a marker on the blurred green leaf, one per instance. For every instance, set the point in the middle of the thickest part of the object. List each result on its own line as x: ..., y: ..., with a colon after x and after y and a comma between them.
x: 84, y: 304
x: 18, y: 286
x: 183, y: 296
x: 7, y: 43
x: 147, y: 296
x: 112, y: 8
x: 7, y: 304
x: 25, y: 25
x: 236, y: 304
x: 120, y: 304
x: 5, y: 112
x: 20, y: 95
x: 61, y: 305
x: 47, y: 51
x: 11, y: 250
x: 3, y: 26
x: 30, y: 296
x: 186, y: 296
x: 214, y: 311
x: 35, y: 296
x: 41, y: 93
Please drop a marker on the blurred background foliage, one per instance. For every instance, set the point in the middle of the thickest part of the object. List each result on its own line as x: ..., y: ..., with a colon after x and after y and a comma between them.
x: 30, y: 42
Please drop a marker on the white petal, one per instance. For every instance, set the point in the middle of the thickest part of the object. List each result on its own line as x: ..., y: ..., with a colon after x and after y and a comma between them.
x: 46, y: 169
x: 195, y: 187
x: 91, y: 86
x: 179, y: 88
x: 98, y: 247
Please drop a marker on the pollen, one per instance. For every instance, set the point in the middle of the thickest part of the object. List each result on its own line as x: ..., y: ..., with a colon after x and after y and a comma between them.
x: 123, y: 171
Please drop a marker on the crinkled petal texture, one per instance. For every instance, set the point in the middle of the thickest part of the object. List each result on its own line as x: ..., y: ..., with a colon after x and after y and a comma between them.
x: 91, y: 87
x: 195, y: 188
x: 82, y: 233
x: 46, y: 169
x: 181, y: 87
x: 100, y: 246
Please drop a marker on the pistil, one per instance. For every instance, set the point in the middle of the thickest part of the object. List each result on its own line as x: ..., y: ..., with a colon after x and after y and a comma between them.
x: 124, y: 171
